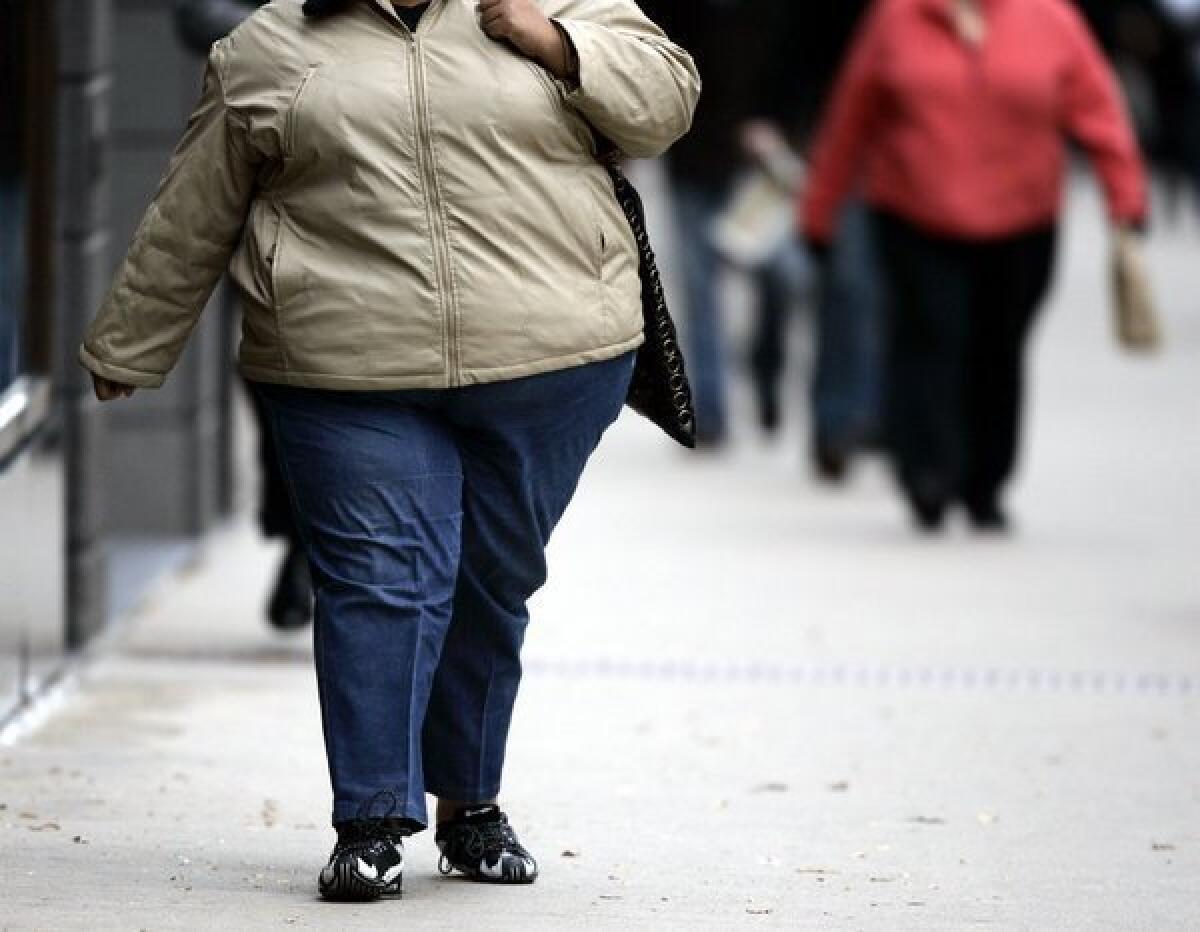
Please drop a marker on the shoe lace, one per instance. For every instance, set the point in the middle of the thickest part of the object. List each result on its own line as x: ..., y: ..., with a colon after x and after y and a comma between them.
x: 369, y: 830
x: 475, y: 841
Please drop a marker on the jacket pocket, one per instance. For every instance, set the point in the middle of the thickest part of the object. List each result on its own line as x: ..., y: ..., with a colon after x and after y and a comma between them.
x: 289, y: 133
x: 604, y: 247
x: 601, y: 238
x: 274, y: 259
x: 251, y: 265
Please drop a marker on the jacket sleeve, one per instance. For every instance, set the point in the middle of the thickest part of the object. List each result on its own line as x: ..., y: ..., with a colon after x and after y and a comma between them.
x: 636, y: 87
x: 1095, y: 116
x: 180, y: 249
x: 844, y: 132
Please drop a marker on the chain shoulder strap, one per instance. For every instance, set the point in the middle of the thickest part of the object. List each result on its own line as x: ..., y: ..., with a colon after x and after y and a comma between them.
x: 660, y: 388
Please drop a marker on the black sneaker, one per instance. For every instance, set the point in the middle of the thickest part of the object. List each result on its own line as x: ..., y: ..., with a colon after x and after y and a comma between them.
x: 987, y: 517
x: 481, y: 844
x: 831, y: 461
x: 928, y: 500
x: 367, y: 862
x: 291, y: 605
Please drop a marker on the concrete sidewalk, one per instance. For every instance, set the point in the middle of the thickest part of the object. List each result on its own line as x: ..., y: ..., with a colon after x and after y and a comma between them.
x: 749, y: 702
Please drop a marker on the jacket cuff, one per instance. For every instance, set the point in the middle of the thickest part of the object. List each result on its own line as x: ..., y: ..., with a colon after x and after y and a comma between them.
x: 571, y: 81
x: 1136, y: 220
x: 817, y: 225
x: 107, y: 370
x: 576, y: 36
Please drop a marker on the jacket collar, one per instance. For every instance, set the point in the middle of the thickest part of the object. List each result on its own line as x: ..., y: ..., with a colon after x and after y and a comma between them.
x: 386, y: 7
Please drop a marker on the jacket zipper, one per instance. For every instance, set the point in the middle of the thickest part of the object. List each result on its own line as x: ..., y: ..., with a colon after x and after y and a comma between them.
x: 433, y: 200
x: 433, y: 192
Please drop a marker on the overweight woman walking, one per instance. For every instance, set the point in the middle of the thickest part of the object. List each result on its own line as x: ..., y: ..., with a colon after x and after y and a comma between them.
x: 442, y: 306
x: 954, y: 115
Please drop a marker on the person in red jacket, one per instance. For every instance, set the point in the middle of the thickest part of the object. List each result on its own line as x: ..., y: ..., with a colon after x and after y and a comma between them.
x: 953, y: 117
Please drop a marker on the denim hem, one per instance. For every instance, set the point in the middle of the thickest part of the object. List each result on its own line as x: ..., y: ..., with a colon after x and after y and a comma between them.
x: 347, y: 812
x: 460, y: 795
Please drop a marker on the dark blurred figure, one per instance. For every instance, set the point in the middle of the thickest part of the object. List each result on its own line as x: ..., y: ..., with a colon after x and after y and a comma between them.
x: 12, y: 210
x: 767, y: 67
x: 1153, y: 44
x: 201, y: 23
x: 953, y: 114
x: 847, y: 383
x: 846, y: 387
x: 1175, y: 70
x: 746, y: 51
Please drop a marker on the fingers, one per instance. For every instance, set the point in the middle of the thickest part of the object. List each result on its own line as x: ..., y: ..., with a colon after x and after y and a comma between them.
x: 499, y: 29
x: 108, y: 390
x: 497, y: 24
x: 491, y: 10
x: 496, y: 18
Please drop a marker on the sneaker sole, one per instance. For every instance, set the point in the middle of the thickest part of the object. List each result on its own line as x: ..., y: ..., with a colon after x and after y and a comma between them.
x: 346, y: 886
x: 500, y: 881
x: 476, y: 877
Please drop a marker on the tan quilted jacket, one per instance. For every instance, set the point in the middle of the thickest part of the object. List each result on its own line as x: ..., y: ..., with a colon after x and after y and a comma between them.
x: 401, y: 210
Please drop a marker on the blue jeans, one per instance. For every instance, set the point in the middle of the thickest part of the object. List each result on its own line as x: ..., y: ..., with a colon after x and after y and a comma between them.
x: 425, y: 516
x: 847, y: 385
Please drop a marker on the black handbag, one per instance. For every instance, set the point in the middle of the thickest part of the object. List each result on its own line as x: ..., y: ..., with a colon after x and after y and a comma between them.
x: 659, y: 390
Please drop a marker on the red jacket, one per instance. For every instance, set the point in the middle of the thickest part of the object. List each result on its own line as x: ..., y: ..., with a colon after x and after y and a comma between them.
x: 970, y: 141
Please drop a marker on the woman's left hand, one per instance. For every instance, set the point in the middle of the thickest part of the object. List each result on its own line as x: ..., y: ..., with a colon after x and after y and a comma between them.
x: 523, y: 23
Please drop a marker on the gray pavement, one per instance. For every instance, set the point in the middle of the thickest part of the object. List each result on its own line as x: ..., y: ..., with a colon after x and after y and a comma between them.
x: 750, y: 702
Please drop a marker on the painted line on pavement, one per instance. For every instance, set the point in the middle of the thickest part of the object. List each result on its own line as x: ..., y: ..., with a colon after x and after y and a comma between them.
x: 884, y: 676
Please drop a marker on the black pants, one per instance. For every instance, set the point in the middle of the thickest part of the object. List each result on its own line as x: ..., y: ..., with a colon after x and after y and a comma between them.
x: 961, y: 315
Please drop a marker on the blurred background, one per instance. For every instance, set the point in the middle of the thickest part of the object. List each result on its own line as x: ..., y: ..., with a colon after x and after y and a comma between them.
x: 768, y: 599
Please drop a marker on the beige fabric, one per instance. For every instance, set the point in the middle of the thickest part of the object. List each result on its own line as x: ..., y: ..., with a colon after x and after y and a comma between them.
x: 1136, y: 317
x: 401, y: 211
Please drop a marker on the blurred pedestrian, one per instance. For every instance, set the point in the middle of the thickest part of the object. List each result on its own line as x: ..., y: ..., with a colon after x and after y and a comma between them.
x: 442, y: 305
x: 752, y: 234
x: 847, y: 382
x: 846, y: 385
x: 955, y: 115
x: 745, y: 50
x: 1149, y: 47
x: 1177, y: 67
x: 200, y: 23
